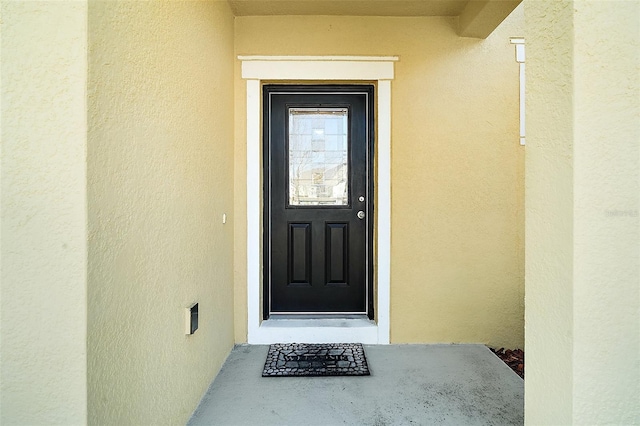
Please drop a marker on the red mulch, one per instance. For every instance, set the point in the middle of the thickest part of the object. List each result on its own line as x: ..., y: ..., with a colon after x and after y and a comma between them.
x: 513, y: 358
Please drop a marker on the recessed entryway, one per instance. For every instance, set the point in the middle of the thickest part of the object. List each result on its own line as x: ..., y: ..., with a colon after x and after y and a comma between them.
x: 376, y: 71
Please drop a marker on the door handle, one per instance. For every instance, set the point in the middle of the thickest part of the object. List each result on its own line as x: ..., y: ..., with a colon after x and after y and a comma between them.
x: 360, y: 214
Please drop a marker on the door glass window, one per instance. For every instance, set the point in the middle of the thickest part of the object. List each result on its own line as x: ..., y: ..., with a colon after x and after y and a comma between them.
x: 318, y: 157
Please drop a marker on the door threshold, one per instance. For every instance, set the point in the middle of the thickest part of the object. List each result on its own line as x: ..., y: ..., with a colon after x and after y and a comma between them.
x: 329, y: 329
x: 318, y: 316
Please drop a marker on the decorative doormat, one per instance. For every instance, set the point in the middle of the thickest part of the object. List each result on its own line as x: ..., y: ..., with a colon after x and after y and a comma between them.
x: 330, y: 359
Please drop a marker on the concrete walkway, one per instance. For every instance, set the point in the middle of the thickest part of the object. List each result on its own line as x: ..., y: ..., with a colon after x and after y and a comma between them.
x: 409, y: 384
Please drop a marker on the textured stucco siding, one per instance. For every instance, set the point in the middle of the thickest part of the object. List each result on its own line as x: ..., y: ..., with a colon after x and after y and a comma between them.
x: 582, y: 202
x: 160, y: 177
x: 549, y: 209
x: 606, y: 361
x: 43, y: 213
x: 457, y: 169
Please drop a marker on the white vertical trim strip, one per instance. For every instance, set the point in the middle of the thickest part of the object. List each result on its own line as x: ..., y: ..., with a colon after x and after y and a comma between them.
x: 522, y: 103
x: 253, y: 208
x: 383, y: 260
x: 519, y: 43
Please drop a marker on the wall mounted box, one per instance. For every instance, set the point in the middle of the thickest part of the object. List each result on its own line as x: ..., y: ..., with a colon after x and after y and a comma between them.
x: 191, y: 319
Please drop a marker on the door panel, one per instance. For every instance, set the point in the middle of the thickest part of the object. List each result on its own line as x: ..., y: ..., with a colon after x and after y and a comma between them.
x: 337, y: 253
x: 300, y: 253
x: 317, y: 167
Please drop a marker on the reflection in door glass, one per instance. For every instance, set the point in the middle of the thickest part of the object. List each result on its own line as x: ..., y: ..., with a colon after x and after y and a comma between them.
x: 318, y: 157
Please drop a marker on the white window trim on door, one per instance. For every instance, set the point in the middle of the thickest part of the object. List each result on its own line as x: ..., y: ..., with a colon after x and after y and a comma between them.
x: 380, y: 69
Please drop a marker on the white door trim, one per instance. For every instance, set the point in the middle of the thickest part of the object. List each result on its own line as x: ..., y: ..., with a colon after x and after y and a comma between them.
x: 380, y: 69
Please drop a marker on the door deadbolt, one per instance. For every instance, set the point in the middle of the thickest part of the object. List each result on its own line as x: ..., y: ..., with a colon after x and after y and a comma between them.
x: 360, y: 214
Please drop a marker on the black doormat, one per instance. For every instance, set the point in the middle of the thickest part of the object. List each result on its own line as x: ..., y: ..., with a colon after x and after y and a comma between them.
x: 328, y: 359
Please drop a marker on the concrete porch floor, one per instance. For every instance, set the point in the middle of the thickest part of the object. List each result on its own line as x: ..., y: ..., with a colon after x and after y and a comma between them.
x: 409, y: 384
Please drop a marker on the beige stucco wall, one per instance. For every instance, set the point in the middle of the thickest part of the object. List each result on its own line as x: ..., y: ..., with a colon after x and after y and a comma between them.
x: 43, y: 213
x: 607, y: 208
x: 583, y: 199
x: 160, y: 177
x: 457, y: 255
x: 549, y: 165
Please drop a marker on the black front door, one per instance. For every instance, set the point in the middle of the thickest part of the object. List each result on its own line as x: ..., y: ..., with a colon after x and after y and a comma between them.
x: 318, y: 199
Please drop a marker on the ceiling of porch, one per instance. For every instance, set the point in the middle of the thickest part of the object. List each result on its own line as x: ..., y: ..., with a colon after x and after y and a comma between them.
x: 477, y: 18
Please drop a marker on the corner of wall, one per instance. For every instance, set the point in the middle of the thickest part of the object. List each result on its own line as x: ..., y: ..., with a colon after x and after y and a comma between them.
x: 43, y: 213
x: 549, y: 211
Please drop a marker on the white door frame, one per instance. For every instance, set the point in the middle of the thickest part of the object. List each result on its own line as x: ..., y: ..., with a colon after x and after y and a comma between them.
x: 379, y: 69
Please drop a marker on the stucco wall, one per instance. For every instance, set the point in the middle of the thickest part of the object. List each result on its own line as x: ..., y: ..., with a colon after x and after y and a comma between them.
x: 607, y: 209
x: 549, y: 189
x: 43, y: 213
x: 160, y: 177
x: 583, y: 226
x: 457, y: 255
